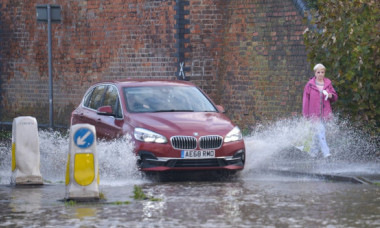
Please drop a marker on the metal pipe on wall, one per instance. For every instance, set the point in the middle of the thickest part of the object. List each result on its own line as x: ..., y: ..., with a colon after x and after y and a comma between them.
x: 51, y: 122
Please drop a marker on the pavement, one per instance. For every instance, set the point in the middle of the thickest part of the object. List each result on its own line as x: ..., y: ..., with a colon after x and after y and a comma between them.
x: 334, y: 170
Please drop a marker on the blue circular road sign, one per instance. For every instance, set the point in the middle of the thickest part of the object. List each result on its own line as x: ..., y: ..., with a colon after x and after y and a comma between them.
x: 84, y: 138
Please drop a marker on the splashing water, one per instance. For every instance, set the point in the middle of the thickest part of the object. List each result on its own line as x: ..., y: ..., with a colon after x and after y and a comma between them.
x: 54, y: 149
x: 117, y: 163
x: 5, y: 163
x: 276, y: 143
x: 268, y: 142
x: 268, y: 145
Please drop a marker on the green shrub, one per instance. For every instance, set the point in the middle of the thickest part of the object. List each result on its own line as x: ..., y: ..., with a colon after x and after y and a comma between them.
x: 347, y: 41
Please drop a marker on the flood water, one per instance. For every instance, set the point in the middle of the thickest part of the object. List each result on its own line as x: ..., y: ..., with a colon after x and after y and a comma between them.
x: 265, y: 194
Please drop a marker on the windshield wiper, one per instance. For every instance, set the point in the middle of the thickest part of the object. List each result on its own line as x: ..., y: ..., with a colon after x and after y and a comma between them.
x: 174, y: 110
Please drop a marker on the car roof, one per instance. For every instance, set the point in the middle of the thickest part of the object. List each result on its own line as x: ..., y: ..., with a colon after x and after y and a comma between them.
x: 147, y: 82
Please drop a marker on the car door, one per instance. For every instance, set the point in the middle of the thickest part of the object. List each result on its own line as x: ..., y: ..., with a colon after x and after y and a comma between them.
x: 110, y: 126
x: 87, y: 112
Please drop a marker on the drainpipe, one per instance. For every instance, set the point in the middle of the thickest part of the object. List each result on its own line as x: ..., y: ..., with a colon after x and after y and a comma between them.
x: 301, y: 6
x: 181, y: 31
x: 1, y: 91
x: 303, y: 9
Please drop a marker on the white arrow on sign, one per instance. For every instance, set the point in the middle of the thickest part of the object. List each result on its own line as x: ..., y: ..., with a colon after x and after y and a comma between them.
x: 82, y: 140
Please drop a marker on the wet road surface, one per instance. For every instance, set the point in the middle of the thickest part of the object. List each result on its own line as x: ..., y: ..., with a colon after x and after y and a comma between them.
x: 256, y: 199
x: 278, y: 188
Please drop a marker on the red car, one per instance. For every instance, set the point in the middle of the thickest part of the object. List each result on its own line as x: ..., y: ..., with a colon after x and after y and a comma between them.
x: 174, y: 124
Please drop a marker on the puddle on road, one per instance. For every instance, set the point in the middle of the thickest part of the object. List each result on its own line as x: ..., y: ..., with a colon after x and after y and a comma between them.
x: 243, y: 203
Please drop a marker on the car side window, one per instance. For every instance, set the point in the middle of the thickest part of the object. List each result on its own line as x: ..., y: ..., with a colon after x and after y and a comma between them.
x: 87, y: 98
x: 96, y: 97
x: 119, y: 114
x: 111, y: 98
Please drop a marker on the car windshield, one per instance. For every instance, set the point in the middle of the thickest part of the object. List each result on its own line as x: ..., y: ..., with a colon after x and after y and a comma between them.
x: 167, y: 99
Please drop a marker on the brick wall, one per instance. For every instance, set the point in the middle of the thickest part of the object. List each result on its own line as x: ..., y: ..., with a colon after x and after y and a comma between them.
x: 247, y: 54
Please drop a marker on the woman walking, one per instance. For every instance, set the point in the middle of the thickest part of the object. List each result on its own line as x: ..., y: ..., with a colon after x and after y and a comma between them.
x: 317, y: 98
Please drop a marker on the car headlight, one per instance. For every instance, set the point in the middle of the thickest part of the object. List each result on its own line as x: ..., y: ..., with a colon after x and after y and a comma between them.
x: 145, y: 135
x: 233, y: 135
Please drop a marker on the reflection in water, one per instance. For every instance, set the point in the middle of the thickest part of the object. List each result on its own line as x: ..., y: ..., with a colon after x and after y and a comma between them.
x: 83, y: 212
x: 317, y: 203
x: 231, y: 192
x: 259, y: 202
x: 251, y: 201
x: 195, y: 202
x: 153, y: 209
x: 26, y: 199
x: 230, y: 198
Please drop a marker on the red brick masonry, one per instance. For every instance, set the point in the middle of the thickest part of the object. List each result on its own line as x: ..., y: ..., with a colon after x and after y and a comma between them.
x: 248, y: 55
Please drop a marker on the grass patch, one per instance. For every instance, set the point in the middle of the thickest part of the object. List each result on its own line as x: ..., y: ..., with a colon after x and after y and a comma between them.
x: 121, y: 203
x: 101, y: 195
x: 140, y: 195
x: 70, y: 203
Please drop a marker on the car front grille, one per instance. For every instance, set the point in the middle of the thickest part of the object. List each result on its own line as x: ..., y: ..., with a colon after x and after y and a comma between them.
x: 183, y: 142
x: 210, y: 142
x: 190, y: 142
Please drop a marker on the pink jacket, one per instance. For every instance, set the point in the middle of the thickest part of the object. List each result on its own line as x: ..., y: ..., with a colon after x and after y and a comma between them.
x: 314, y: 103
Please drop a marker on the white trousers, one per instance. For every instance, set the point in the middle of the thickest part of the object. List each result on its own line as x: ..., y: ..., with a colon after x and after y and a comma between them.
x: 319, y: 141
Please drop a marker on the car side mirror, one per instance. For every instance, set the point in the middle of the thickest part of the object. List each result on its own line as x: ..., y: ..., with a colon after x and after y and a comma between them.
x: 105, y: 111
x: 221, y: 109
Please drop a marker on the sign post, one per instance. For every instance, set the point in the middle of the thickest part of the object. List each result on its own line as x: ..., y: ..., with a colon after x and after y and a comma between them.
x: 49, y: 14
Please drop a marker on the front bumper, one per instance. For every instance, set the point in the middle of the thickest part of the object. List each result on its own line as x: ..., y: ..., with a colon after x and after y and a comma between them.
x: 147, y: 161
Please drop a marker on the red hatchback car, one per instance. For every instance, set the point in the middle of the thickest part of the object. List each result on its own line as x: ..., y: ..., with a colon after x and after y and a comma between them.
x: 174, y: 124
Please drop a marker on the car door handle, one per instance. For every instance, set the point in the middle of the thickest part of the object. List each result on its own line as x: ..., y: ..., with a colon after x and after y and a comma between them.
x: 99, y: 120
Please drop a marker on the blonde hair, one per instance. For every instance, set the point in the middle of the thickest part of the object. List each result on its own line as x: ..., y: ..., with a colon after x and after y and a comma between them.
x: 319, y: 66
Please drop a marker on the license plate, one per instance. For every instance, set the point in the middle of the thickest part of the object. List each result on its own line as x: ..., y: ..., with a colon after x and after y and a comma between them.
x: 194, y: 154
